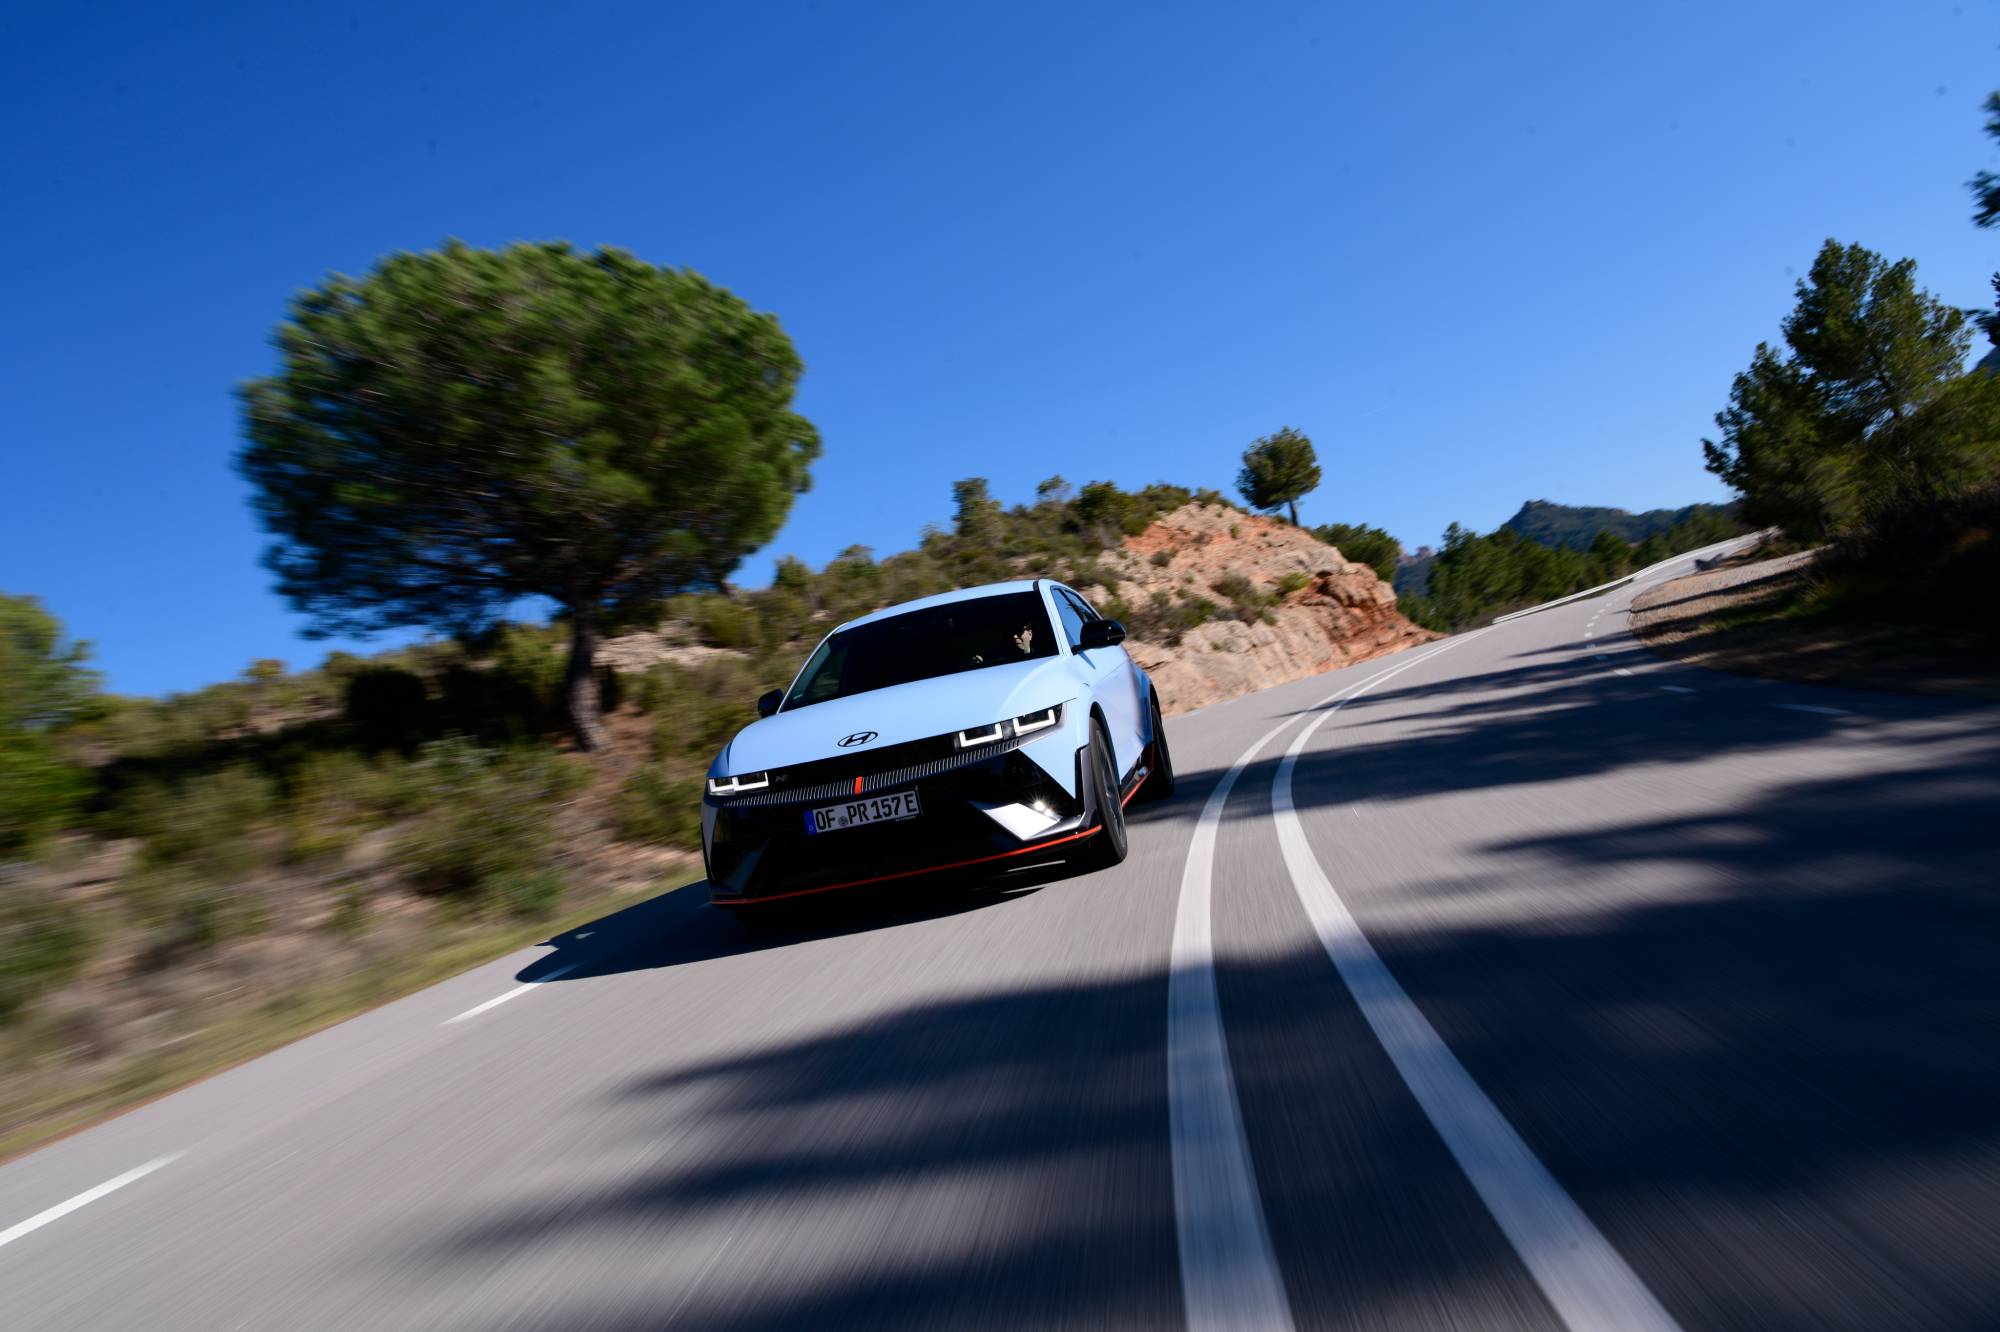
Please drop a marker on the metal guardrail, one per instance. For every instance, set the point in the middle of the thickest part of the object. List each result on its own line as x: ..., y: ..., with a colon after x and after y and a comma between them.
x: 1697, y: 555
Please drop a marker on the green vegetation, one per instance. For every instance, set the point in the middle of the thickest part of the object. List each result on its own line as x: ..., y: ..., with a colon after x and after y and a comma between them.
x: 1476, y: 578
x: 44, y: 686
x: 1367, y: 545
x: 652, y: 807
x: 42, y: 945
x: 1865, y: 434
x: 464, y: 428
x: 1278, y: 470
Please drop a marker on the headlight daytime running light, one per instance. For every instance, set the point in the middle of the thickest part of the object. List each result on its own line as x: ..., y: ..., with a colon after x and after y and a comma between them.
x: 1026, y: 724
x: 737, y: 785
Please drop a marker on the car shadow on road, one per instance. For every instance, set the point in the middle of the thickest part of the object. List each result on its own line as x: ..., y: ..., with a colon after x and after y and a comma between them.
x: 679, y: 926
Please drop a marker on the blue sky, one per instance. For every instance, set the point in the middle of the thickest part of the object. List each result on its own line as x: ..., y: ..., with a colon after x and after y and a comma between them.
x: 1480, y: 253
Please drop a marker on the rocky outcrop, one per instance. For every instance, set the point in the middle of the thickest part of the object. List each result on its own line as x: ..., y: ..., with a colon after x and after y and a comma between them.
x: 1330, y: 611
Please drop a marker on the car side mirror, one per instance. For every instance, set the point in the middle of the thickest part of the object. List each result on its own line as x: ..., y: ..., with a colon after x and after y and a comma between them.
x: 768, y: 703
x: 1101, y: 633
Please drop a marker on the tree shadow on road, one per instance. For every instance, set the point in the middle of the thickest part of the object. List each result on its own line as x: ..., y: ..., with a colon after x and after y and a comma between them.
x: 1757, y: 1051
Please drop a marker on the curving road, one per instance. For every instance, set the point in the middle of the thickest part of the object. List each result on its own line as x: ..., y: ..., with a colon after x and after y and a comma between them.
x: 1523, y: 980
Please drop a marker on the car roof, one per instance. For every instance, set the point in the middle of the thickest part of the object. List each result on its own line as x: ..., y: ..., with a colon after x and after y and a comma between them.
x: 946, y: 598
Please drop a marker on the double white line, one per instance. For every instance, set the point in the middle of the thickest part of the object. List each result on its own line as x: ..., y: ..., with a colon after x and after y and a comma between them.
x: 1229, y: 1276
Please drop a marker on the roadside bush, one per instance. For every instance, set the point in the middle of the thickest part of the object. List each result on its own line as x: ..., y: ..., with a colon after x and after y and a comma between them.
x: 484, y: 816
x: 336, y: 796
x: 703, y: 706
x: 526, y: 894
x: 1163, y: 619
x: 723, y: 622
x: 42, y: 946
x: 212, y: 821
x: 41, y: 792
x: 1296, y: 580
x: 653, y: 807
x: 1246, y: 601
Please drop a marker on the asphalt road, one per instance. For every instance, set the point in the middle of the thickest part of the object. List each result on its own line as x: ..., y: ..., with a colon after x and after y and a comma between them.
x: 1547, y: 983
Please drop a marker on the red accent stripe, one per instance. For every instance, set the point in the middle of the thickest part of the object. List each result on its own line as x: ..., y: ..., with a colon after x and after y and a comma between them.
x: 905, y: 874
x: 1123, y: 801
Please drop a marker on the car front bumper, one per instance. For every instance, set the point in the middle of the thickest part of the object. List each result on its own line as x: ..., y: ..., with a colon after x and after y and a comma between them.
x: 984, y: 813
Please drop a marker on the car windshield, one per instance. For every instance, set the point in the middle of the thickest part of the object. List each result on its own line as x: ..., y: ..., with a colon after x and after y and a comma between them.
x: 920, y: 644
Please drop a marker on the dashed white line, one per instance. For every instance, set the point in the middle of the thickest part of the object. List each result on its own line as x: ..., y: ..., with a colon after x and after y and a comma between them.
x: 1621, y: 670
x: 84, y: 1199
x: 514, y: 993
x: 1585, y: 1280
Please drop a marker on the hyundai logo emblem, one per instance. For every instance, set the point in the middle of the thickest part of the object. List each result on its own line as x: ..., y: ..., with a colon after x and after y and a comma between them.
x: 858, y: 738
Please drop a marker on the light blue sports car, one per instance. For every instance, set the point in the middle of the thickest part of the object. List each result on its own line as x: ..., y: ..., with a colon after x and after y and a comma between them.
x: 961, y: 731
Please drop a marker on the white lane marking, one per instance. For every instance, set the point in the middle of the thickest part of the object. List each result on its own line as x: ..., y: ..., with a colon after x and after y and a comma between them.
x: 1677, y: 689
x: 1229, y: 1276
x: 84, y: 1199
x: 1583, y: 1277
x: 1813, y: 707
x: 514, y: 993
x: 1621, y: 670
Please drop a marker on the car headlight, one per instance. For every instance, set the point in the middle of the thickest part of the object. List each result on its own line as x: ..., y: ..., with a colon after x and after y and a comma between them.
x: 737, y: 785
x: 1026, y: 724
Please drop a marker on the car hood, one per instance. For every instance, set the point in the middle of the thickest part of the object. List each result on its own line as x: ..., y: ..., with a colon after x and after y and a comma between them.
x: 913, y: 711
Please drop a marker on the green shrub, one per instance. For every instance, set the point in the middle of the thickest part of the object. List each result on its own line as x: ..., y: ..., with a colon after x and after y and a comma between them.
x: 1296, y: 580
x: 652, y: 807
x: 1246, y: 601
x: 1162, y: 558
x: 526, y: 669
x: 42, y: 946
x: 526, y: 894
x: 723, y: 622
x: 1363, y: 544
x: 41, y: 792
x: 483, y: 815
x: 1163, y: 619
x: 212, y: 821
x: 703, y: 706
x: 336, y: 796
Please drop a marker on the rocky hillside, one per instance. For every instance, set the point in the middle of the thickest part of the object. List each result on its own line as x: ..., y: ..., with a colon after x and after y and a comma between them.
x: 1219, y: 603
x: 1290, y: 605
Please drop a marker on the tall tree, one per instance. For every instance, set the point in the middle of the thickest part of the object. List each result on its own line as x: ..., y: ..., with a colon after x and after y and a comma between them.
x: 1848, y: 421
x: 1985, y: 186
x: 463, y: 428
x: 1277, y: 470
x: 44, y: 686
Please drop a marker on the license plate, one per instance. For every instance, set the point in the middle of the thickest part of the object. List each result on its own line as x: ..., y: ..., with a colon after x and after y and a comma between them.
x: 890, y: 808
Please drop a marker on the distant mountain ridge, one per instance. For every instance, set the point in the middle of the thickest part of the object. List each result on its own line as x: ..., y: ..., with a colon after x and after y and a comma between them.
x: 1572, y: 525
x: 1576, y: 526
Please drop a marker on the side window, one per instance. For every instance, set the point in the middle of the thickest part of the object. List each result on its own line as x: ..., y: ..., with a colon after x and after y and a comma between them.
x: 1072, y: 616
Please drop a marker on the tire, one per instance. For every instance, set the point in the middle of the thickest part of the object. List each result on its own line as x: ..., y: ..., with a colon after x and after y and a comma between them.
x: 1107, y: 847
x: 1159, y: 783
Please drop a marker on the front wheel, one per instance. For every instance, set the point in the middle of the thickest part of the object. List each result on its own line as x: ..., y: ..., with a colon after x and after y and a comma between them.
x: 1108, y: 844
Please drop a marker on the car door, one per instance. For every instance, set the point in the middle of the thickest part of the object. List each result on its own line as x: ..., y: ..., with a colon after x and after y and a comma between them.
x: 1110, y: 676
